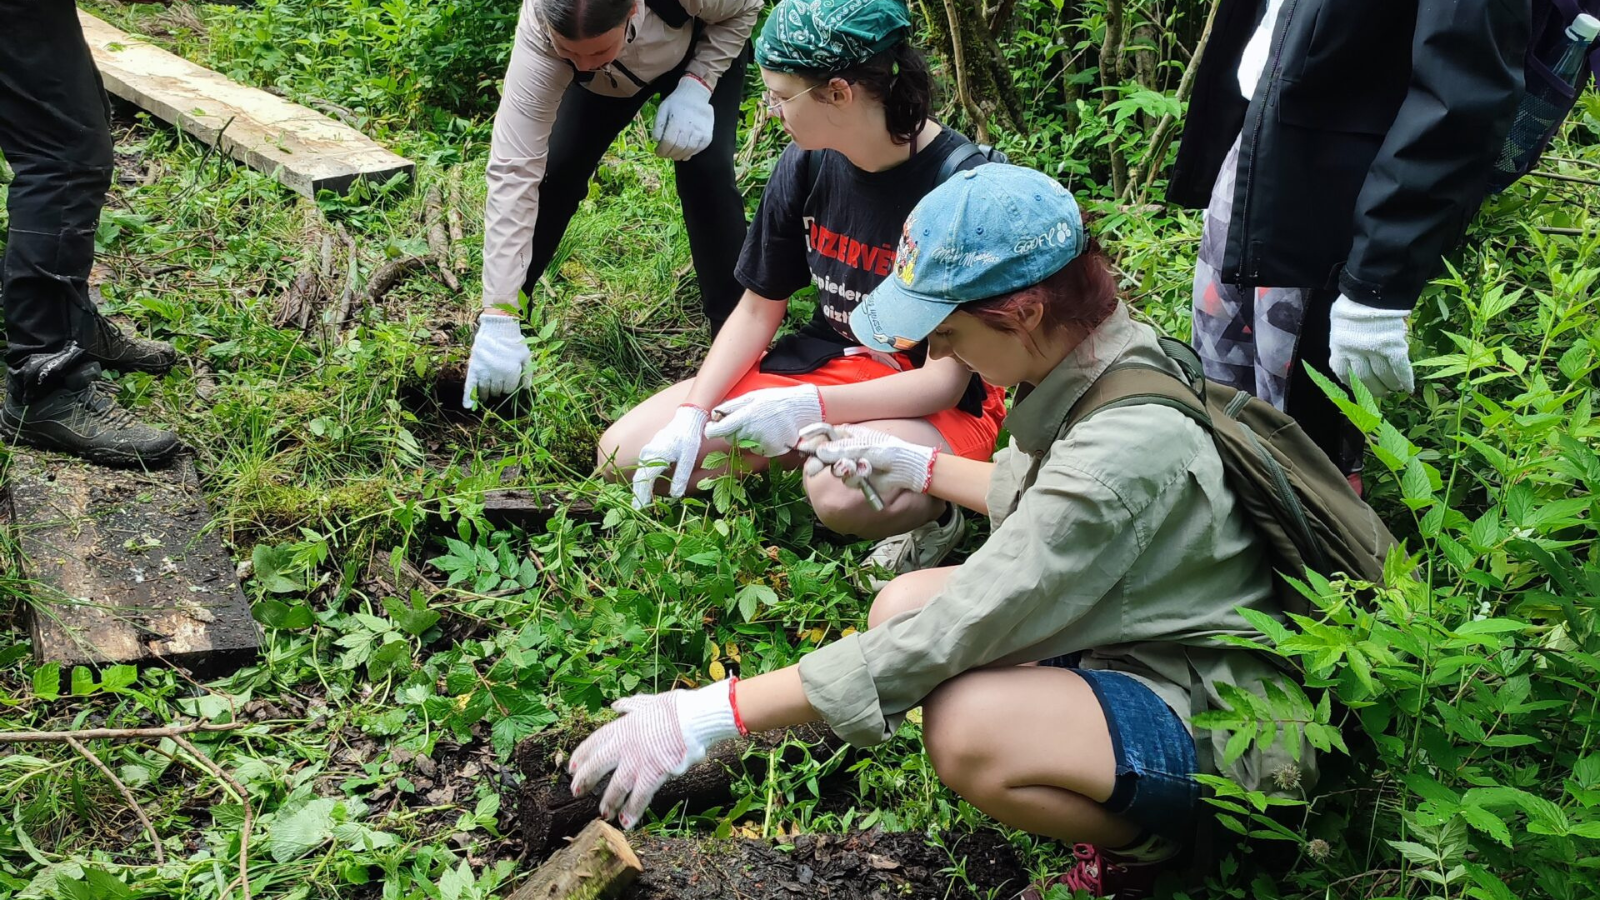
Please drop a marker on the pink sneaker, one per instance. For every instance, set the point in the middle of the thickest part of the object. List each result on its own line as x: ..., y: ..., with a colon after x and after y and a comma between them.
x: 1101, y: 875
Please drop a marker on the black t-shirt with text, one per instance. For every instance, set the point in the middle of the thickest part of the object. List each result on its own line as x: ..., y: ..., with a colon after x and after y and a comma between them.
x: 839, y: 235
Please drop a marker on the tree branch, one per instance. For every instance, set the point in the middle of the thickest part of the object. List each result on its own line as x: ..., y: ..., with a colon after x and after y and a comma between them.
x: 127, y: 795
x: 244, y: 800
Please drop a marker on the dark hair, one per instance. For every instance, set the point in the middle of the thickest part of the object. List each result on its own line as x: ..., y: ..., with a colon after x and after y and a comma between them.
x: 1079, y: 296
x: 576, y: 20
x: 899, y: 78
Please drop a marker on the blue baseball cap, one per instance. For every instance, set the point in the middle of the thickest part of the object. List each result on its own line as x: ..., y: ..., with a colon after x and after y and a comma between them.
x: 986, y: 232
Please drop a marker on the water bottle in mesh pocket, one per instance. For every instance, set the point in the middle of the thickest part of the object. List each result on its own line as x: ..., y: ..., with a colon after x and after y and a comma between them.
x: 1555, y: 69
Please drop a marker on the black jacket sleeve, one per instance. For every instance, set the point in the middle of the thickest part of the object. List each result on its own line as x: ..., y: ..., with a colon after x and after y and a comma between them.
x: 1433, y: 169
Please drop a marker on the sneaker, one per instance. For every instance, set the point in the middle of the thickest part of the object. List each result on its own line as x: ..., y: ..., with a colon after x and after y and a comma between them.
x: 81, y: 418
x: 1100, y: 875
x: 113, y: 348
x: 920, y: 548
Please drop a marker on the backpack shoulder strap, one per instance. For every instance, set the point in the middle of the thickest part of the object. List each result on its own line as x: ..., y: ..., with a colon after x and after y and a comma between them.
x: 1132, y: 384
x: 956, y: 159
x: 670, y: 12
x: 813, y: 170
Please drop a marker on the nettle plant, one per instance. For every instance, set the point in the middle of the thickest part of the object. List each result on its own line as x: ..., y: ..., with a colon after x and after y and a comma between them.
x: 1464, y: 694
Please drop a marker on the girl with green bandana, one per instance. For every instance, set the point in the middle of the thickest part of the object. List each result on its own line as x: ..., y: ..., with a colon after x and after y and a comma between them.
x: 845, y: 84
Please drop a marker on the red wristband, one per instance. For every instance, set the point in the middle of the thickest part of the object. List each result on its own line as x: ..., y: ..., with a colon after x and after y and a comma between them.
x: 822, y: 408
x: 694, y: 406
x: 703, y: 83
x: 738, y: 721
x: 927, y: 482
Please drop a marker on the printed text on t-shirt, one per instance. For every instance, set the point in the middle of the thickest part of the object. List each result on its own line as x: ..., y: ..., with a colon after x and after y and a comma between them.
x: 866, y: 257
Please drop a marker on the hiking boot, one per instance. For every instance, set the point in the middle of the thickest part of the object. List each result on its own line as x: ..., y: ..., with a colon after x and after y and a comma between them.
x: 115, y: 349
x: 55, y: 402
x: 1101, y: 874
x: 920, y: 548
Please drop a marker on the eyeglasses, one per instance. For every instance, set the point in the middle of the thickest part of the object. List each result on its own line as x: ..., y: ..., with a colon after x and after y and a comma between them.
x: 775, y: 103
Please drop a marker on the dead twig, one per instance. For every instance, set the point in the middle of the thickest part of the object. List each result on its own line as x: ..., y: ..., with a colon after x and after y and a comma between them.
x: 452, y: 211
x: 390, y: 274
x: 348, y: 295
x: 1162, y: 136
x: 244, y: 800
x: 95, y: 734
x: 1565, y: 232
x: 438, y: 241
x: 205, y: 381
x: 980, y: 121
x: 127, y: 795
x: 1557, y: 176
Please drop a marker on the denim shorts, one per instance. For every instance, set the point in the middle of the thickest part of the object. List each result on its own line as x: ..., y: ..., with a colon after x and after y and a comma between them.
x: 1155, y: 786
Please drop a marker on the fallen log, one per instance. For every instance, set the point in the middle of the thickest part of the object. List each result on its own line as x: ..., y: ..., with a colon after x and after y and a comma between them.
x: 438, y: 242
x: 597, y: 864
x: 549, y: 812
x: 531, y: 510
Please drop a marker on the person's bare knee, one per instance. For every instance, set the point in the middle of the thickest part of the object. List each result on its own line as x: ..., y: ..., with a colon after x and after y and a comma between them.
x: 838, y: 506
x: 898, y: 596
x: 958, y: 741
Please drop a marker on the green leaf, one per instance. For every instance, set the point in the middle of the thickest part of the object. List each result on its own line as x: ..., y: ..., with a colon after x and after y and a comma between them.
x: 296, y: 834
x: 82, y: 681
x: 391, y: 657
x: 1491, y: 626
x: 455, y: 883
x: 1414, y: 484
x: 272, y: 565
x: 752, y: 595
x: 1267, y: 625
x: 277, y: 614
x: 414, y: 619
x: 47, y: 681
x: 116, y: 679
x: 1487, y: 822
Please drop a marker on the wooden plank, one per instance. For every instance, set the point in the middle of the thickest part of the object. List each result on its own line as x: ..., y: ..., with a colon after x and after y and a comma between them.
x: 126, y: 569
x: 302, y: 148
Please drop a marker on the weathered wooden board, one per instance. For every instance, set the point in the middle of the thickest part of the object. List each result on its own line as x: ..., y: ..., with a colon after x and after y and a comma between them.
x: 125, y: 568
x: 304, y: 149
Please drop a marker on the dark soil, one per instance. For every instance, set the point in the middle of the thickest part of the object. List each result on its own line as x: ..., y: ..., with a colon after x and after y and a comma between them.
x: 862, y: 865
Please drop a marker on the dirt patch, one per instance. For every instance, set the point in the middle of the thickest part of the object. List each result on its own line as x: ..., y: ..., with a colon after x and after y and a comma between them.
x: 904, y: 866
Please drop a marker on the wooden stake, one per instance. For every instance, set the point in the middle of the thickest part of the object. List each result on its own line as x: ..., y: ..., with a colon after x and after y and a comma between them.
x: 597, y: 864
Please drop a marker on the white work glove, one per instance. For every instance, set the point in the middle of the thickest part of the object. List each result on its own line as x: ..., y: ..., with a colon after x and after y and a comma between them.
x: 1369, y: 343
x: 499, y: 363
x: 860, y: 454
x: 659, y: 735
x: 676, y: 446
x: 684, y: 121
x: 772, y: 417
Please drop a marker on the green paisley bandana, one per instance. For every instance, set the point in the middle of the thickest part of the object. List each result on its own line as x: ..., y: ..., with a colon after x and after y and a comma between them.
x: 829, y: 35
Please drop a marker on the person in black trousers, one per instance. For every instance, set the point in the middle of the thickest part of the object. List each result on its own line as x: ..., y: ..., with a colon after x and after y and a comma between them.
x: 580, y: 71
x: 1339, y: 148
x: 55, y: 132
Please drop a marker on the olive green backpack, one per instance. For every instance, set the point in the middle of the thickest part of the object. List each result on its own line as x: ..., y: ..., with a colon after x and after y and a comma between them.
x: 1302, y: 505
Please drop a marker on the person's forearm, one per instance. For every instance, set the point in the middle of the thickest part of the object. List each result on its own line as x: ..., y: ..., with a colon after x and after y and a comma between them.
x: 737, y: 347
x: 721, y: 41
x: 933, y: 388
x: 962, y: 481
x: 773, y: 700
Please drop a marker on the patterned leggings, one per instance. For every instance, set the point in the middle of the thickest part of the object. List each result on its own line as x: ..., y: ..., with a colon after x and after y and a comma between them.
x: 1259, y: 339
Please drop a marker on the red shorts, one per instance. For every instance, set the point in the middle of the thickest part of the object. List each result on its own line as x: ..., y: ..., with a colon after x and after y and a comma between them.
x: 970, y: 436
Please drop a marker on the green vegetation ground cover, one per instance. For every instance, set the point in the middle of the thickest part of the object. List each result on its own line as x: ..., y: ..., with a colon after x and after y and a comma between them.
x: 1463, y: 700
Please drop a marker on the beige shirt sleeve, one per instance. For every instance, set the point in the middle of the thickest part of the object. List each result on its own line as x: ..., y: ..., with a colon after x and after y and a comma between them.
x: 518, y: 152
x: 1043, y: 572
x: 728, y: 24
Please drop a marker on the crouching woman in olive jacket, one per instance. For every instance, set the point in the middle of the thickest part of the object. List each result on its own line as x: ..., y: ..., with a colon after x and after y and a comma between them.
x: 1118, y: 559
